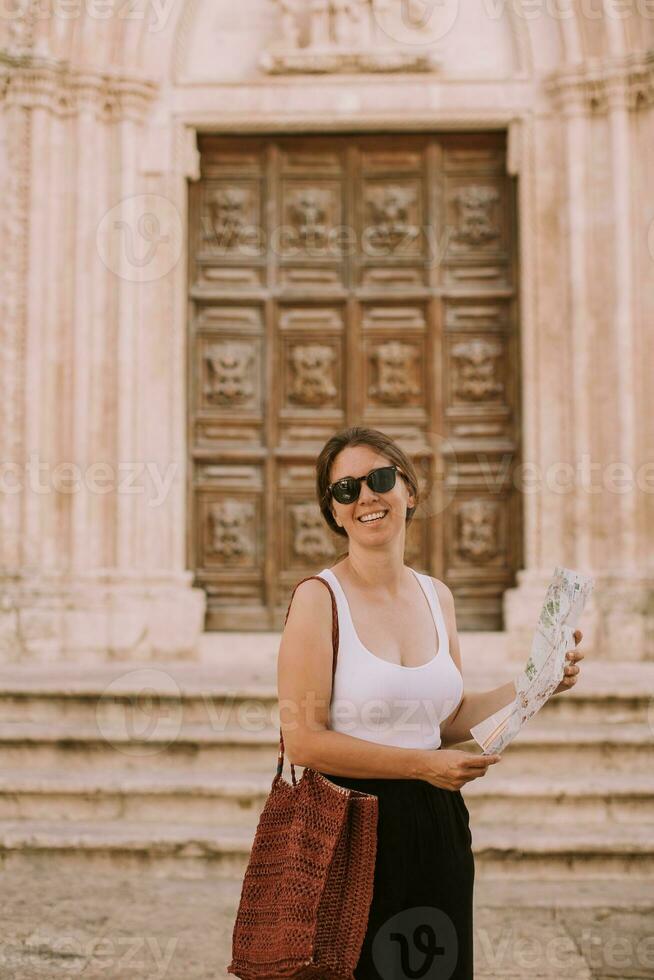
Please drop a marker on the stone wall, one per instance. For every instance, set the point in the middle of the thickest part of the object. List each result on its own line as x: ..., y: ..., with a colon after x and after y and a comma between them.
x: 98, y: 124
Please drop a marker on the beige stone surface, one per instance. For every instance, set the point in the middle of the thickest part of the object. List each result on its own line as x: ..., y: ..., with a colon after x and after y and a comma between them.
x: 144, y: 926
x: 98, y: 123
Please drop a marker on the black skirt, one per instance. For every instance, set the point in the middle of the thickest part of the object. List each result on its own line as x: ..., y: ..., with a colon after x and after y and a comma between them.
x: 420, y: 920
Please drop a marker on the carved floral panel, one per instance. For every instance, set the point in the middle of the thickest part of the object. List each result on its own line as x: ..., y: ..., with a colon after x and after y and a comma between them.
x: 230, y: 219
x: 477, y: 530
x: 477, y: 370
x: 312, y: 214
x: 392, y: 221
x: 228, y: 533
x: 396, y: 373
x: 476, y: 218
x: 230, y: 373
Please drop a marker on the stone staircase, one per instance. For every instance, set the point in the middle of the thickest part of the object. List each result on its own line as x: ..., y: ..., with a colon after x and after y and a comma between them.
x: 170, y: 765
x: 129, y: 795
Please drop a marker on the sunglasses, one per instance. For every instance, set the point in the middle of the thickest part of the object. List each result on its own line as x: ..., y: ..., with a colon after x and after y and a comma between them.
x: 347, y: 490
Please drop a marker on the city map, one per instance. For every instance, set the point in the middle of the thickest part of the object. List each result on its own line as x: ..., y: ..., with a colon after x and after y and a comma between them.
x: 564, y: 602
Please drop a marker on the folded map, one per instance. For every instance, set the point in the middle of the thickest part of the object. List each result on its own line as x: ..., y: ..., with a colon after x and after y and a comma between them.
x: 565, y: 599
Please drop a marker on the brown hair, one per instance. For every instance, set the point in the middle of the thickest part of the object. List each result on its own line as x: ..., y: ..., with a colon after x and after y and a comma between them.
x: 357, y: 435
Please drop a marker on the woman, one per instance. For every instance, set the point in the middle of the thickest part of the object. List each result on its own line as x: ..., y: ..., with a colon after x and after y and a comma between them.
x: 397, y: 696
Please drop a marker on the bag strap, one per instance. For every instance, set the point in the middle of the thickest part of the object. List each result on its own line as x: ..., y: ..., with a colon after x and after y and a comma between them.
x: 280, y: 757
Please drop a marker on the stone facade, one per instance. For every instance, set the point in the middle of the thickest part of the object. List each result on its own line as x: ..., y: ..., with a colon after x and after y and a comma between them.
x: 99, y: 122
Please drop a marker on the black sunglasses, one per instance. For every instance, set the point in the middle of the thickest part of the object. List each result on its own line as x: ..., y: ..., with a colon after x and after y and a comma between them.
x: 381, y: 480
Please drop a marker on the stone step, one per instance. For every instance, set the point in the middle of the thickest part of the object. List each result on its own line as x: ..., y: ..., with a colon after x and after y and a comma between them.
x: 258, y: 708
x: 565, y: 748
x: 620, y: 798
x: 202, y: 797
x: 136, y: 696
x: 223, y: 851
x: 207, y: 797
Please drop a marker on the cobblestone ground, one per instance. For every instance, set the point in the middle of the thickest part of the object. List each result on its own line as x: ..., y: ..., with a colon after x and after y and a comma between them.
x: 133, y: 925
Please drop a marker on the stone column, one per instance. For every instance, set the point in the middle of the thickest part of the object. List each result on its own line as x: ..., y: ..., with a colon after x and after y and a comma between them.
x: 92, y: 508
x: 588, y: 406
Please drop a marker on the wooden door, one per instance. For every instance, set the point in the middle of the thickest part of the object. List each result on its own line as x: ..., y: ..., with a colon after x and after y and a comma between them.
x: 341, y: 279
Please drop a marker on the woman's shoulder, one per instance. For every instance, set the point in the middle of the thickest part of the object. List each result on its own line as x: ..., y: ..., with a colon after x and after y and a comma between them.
x: 310, y: 593
x: 443, y: 592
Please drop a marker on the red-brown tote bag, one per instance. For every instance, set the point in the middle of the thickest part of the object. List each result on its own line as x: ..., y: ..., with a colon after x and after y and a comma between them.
x: 308, y: 885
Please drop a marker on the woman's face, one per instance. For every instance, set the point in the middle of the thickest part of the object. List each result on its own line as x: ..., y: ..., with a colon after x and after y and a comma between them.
x: 358, y: 461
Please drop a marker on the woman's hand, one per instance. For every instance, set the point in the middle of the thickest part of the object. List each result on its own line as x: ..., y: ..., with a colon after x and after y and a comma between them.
x: 453, y: 768
x: 571, y: 671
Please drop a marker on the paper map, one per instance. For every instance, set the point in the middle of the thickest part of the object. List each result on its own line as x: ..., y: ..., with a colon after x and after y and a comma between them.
x: 565, y: 599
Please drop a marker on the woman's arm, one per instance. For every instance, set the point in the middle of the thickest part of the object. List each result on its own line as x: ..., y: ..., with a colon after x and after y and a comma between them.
x: 304, y: 682
x: 472, y: 708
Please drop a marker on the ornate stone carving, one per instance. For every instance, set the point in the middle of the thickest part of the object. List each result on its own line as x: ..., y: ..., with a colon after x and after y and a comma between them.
x: 477, y: 530
x: 49, y: 83
x: 307, y: 209
x: 310, y: 541
x: 231, y: 529
x: 389, y: 209
x: 225, y: 216
x: 229, y: 373
x: 475, y: 214
x: 627, y: 80
x: 20, y: 29
x: 343, y: 36
x: 475, y: 370
x: 395, y: 366
x: 312, y: 381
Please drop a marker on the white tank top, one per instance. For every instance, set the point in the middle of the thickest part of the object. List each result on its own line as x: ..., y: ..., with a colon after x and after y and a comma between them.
x: 384, y: 702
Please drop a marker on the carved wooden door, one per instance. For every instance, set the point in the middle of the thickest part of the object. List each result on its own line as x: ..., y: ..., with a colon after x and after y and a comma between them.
x: 345, y: 279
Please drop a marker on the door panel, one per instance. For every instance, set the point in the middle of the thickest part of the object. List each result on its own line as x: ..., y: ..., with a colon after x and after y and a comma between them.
x: 345, y: 279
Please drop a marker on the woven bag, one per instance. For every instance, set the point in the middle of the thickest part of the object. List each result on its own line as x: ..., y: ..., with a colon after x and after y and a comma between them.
x: 307, y: 889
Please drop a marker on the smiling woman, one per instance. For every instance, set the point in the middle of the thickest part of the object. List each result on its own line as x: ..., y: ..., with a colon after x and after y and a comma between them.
x: 397, y: 687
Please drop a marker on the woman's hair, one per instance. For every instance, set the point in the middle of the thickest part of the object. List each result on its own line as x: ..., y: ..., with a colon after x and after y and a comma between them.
x: 359, y: 436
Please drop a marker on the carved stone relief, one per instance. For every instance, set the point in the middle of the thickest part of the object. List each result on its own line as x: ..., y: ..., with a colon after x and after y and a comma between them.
x: 312, y: 374
x: 477, y: 530
x: 389, y: 208
x: 396, y: 367
x: 346, y: 36
x: 307, y: 209
x: 229, y: 373
x: 310, y: 538
x: 476, y: 224
x: 475, y: 365
x: 231, y: 530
